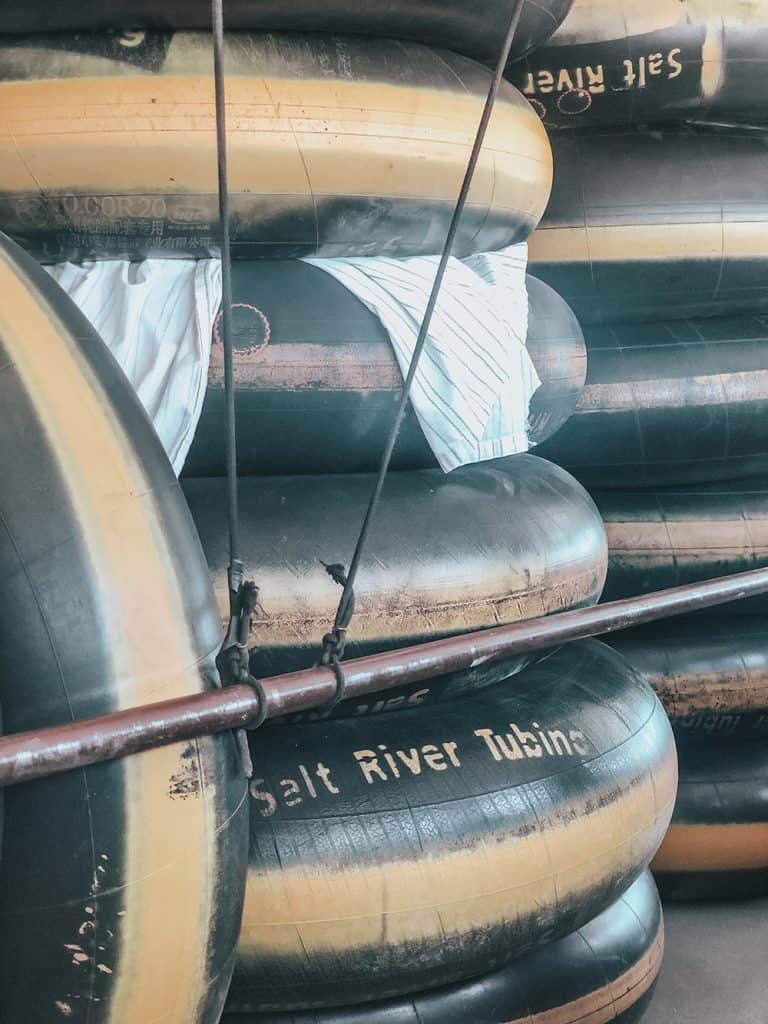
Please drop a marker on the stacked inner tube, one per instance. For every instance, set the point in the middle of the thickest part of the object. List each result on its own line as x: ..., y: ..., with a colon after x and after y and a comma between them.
x: 447, y: 554
x: 669, y: 403
x: 401, y: 852
x: 614, y: 63
x: 475, y: 848
x: 604, y: 971
x: 109, y: 149
x: 709, y: 671
x: 717, y: 844
x: 656, y: 223
x: 654, y: 235
x: 310, y: 357
x: 475, y: 32
x: 107, y: 605
x: 711, y: 677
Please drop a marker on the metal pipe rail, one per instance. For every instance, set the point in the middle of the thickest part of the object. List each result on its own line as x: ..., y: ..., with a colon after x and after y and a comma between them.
x: 30, y: 755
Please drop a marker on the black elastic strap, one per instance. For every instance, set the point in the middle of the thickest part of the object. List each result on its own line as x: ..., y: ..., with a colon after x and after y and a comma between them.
x: 233, y: 657
x: 333, y: 651
x: 335, y: 642
x: 217, y: 16
x: 256, y: 686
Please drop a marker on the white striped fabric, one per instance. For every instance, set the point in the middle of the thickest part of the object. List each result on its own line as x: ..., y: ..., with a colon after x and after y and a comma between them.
x: 475, y: 378
x: 156, y: 318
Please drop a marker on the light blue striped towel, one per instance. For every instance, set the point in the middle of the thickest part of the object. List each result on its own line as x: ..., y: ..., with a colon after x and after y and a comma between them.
x: 156, y: 318
x: 475, y: 379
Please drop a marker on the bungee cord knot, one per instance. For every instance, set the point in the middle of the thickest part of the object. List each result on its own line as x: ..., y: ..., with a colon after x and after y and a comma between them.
x: 233, y: 659
x: 346, y: 608
x: 335, y: 642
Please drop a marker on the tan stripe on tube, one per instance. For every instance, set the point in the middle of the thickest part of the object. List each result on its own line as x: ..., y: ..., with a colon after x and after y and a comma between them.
x: 633, y: 243
x: 670, y: 392
x: 307, y: 910
x: 155, y: 134
x: 739, y: 847
x: 602, y: 1005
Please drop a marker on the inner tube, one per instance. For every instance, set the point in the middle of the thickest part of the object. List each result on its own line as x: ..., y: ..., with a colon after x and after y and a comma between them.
x: 474, y: 28
x: 400, y: 853
x: 361, y: 147
x: 717, y: 843
x: 675, y: 402
x: 617, y: 63
x: 487, y: 544
x: 711, y: 675
x: 106, y: 606
x: 644, y: 225
x: 665, y: 538
x: 312, y: 362
x: 603, y: 972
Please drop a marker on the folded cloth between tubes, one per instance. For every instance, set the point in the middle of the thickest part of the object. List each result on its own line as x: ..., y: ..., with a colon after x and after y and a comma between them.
x: 472, y: 388
x: 475, y: 379
x: 157, y: 318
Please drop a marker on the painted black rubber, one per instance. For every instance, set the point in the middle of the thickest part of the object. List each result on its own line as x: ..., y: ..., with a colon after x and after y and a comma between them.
x: 604, y: 972
x: 663, y: 538
x: 361, y: 146
x: 693, y: 887
x: 710, y: 673
x: 312, y: 362
x: 106, y: 605
x: 717, y: 843
x: 472, y: 27
x: 644, y: 225
x: 675, y: 402
x: 618, y: 63
x: 400, y: 853
x: 488, y: 544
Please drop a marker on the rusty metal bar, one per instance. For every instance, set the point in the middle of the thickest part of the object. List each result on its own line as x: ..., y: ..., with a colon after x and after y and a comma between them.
x: 61, y: 748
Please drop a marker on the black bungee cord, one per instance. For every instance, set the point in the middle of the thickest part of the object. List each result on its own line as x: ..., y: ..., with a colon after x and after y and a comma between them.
x: 333, y: 643
x: 232, y: 660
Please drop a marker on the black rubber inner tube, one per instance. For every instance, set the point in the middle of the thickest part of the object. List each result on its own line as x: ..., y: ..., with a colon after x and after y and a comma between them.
x: 472, y: 27
x: 317, y: 380
x: 402, y: 852
x: 604, y: 972
x: 717, y: 843
x: 668, y: 536
x: 485, y: 544
x: 644, y: 225
x: 680, y: 62
x: 361, y: 146
x: 106, y: 605
x: 711, y: 674
x: 668, y: 403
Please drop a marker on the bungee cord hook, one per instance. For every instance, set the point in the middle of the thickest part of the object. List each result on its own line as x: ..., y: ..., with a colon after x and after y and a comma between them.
x: 334, y: 642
